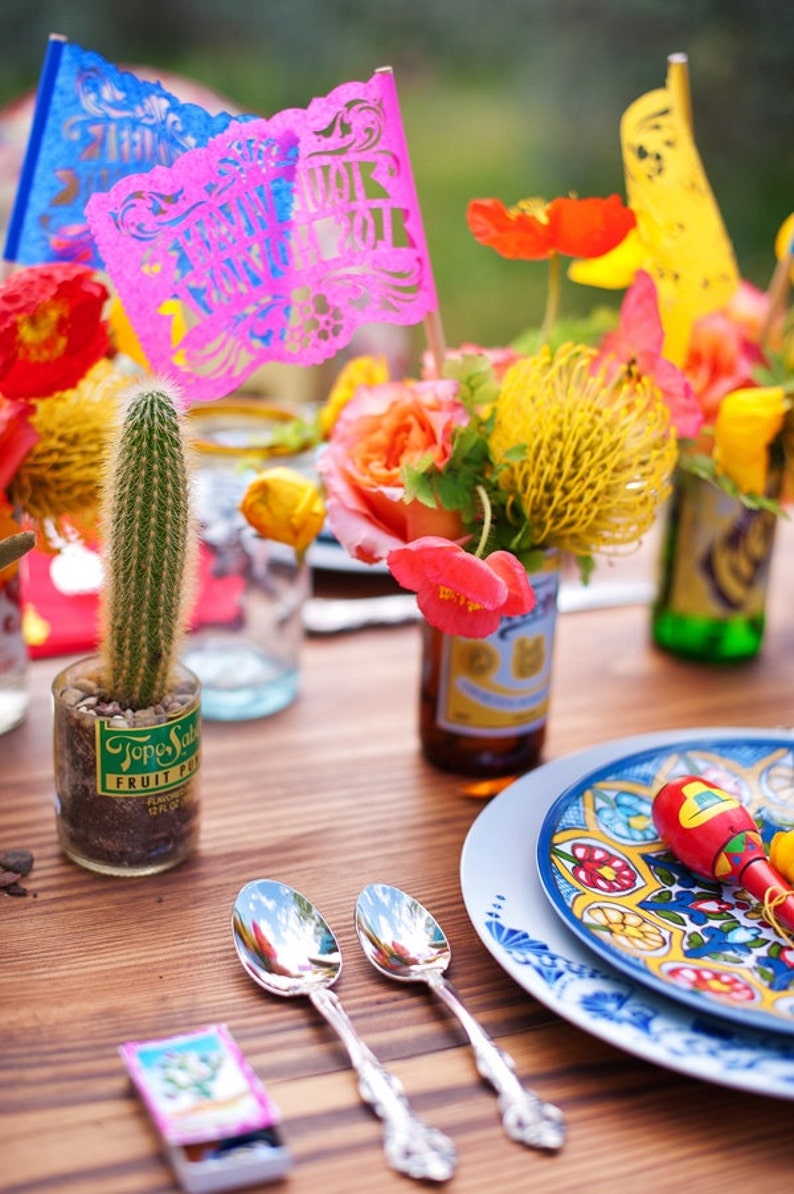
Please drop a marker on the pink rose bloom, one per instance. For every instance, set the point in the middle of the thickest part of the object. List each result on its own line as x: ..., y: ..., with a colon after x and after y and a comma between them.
x: 723, y: 349
x: 500, y: 359
x: 749, y: 307
x: 381, y: 429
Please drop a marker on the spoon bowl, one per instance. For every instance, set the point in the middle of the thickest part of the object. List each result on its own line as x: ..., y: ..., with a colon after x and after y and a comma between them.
x: 287, y: 947
x: 399, y: 936
x: 405, y: 942
x: 283, y: 942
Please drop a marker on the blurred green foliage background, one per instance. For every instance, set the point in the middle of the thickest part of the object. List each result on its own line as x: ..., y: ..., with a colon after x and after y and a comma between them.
x: 502, y: 98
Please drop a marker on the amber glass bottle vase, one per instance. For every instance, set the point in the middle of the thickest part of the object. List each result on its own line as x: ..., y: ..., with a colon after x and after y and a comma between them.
x: 484, y: 702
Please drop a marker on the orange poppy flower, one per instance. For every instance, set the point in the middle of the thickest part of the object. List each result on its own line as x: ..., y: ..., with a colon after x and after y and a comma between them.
x: 534, y: 230
x: 51, y: 329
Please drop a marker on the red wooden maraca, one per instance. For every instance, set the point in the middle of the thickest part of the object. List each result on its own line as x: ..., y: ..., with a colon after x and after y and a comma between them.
x: 716, y: 838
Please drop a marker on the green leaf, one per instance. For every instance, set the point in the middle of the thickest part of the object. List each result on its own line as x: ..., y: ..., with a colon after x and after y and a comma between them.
x: 418, y: 486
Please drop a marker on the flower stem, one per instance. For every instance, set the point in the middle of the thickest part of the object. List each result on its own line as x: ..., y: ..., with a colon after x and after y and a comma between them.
x: 552, y: 297
x: 486, y: 521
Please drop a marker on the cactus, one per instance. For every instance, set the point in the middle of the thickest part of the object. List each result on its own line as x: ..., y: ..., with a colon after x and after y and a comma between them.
x: 13, y: 547
x: 149, y: 545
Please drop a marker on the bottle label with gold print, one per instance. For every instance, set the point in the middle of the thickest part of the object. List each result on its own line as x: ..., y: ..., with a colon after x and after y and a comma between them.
x: 148, y: 761
x: 498, y: 686
x: 722, y: 554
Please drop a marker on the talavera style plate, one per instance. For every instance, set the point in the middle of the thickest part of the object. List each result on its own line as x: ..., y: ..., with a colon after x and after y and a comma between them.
x: 617, y: 886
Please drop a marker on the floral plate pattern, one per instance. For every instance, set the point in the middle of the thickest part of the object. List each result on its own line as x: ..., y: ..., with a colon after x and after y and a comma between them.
x: 511, y: 914
x: 613, y: 881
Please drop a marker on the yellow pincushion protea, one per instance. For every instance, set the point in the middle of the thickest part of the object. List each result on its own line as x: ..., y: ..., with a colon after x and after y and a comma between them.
x: 597, y: 455
x: 59, y: 477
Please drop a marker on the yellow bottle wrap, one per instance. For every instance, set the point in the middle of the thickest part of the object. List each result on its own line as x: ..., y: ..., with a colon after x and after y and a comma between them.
x: 498, y: 686
x: 720, y: 562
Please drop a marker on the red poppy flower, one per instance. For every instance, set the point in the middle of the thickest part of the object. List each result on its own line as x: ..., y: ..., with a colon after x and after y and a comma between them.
x: 533, y: 230
x: 457, y: 592
x: 51, y: 329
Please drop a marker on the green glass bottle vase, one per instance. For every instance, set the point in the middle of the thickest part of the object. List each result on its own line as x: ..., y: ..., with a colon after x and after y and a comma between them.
x: 714, y: 571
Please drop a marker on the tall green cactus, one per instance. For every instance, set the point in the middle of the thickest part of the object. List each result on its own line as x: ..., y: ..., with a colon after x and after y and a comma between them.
x: 149, y: 541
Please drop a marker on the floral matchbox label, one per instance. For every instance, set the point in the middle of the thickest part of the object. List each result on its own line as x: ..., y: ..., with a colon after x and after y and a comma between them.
x: 218, y: 1123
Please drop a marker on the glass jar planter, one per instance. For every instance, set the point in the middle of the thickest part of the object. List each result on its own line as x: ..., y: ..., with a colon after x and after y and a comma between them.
x: 127, y: 784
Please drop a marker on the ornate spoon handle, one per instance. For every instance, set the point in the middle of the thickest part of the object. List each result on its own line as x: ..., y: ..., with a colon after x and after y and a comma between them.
x: 411, y: 1146
x: 525, y: 1117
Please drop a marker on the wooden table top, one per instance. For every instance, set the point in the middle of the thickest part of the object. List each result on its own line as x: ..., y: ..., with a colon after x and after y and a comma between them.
x: 328, y: 796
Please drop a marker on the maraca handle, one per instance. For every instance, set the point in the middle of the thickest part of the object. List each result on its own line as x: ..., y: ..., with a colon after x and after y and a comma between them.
x: 761, y: 880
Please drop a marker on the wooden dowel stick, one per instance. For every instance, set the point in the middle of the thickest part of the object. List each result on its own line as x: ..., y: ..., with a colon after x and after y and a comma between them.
x: 777, y: 292
x: 434, y: 334
x: 678, y: 86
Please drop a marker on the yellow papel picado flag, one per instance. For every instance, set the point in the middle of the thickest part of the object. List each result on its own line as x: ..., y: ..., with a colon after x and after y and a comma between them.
x: 688, y: 252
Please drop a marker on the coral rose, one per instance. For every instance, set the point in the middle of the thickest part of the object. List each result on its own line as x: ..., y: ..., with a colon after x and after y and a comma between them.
x: 382, y: 429
x: 722, y: 354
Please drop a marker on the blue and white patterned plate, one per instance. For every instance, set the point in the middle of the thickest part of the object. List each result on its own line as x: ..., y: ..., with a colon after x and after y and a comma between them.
x: 510, y: 912
x: 617, y: 886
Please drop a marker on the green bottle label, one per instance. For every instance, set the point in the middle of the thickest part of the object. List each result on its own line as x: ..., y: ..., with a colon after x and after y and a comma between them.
x: 721, y: 556
x: 147, y: 760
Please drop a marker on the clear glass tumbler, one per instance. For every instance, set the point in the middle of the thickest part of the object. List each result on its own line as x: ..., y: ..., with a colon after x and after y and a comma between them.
x: 248, y: 618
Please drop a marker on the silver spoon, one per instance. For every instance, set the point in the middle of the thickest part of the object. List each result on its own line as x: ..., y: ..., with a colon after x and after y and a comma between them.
x: 286, y: 946
x: 403, y: 941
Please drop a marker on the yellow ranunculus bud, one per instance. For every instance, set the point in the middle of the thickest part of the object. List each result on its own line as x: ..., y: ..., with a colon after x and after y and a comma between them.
x: 747, y: 422
x: 360, y: 371
x: 781, y: 854
x: 284, y: 505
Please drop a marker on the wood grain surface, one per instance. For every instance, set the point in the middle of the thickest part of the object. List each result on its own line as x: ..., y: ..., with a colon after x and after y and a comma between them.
x: 328, y: 796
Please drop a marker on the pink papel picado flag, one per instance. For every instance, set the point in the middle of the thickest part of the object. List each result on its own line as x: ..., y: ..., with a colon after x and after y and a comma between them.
x: 272, y: 243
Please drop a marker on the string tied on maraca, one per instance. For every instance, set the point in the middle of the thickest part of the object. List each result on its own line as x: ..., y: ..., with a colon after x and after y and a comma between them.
x: 715, y: 837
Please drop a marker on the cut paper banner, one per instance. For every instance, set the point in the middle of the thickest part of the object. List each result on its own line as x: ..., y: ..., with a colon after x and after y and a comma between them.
x: 224, y: 261
x: 92, y: 124
x: 684, y: 244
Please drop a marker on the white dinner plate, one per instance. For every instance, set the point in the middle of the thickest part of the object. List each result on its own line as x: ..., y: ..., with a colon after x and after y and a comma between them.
x: 510, y: 912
